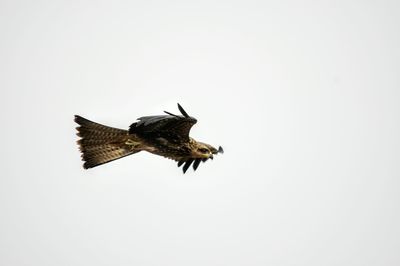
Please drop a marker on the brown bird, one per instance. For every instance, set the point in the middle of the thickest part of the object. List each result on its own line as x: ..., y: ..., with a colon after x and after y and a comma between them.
x: 165, y: 135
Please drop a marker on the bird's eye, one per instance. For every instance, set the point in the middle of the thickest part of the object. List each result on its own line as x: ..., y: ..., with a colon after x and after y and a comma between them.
x: 203, y: 150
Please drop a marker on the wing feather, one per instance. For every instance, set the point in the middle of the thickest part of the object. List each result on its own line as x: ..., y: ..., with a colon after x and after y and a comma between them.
x: 174, y: 128
x: 187, y: 165
x: 196, y: 164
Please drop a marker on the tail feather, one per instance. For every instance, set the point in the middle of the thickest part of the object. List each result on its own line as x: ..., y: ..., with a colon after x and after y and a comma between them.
x: 101, y: 144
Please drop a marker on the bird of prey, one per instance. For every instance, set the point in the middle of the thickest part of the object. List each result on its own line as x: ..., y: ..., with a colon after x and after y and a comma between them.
x: 165, y: 135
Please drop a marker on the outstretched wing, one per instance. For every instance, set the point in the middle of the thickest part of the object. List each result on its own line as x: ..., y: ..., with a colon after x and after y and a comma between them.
x: 174, y: 128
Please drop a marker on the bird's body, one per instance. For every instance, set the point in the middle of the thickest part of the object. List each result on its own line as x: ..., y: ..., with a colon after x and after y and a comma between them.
x: 164, y: 135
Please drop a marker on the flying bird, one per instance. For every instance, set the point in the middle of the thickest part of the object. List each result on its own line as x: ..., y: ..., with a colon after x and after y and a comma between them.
x: 164, y: 135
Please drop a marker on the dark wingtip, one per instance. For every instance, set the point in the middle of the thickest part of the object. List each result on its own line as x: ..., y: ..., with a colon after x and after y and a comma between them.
x: 168, y: 113
x: 187, y: 165
x: 220, y: 150
x: 183, y: 112
x: 196, y: 164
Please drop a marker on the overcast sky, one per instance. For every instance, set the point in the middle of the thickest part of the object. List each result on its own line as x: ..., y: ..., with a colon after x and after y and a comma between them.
x: 303, y: 96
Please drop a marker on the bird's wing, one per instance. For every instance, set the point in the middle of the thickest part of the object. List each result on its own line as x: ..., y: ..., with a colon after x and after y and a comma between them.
x: 174, y: 128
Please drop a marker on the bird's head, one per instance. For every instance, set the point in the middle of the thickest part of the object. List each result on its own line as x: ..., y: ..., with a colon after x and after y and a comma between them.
x: 200, y: 152
x: 205, y: 151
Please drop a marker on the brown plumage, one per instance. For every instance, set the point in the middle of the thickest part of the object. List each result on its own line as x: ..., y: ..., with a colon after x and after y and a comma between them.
x: 164, y: 135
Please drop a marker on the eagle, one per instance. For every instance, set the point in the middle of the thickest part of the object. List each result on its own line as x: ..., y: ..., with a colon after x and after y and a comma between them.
x: 165, y: 135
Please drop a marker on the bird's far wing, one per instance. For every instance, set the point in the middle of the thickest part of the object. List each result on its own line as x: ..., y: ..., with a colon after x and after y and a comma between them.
x: 172, y: 127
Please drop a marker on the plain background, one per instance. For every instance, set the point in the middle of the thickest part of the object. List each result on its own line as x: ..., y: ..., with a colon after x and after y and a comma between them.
x: 303, y: 96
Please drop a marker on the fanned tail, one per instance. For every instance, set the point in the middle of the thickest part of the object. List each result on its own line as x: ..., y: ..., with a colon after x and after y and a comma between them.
x: 101, y: 144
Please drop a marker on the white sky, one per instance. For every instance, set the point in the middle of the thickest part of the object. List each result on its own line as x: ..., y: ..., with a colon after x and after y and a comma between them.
x: 303, y: 96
